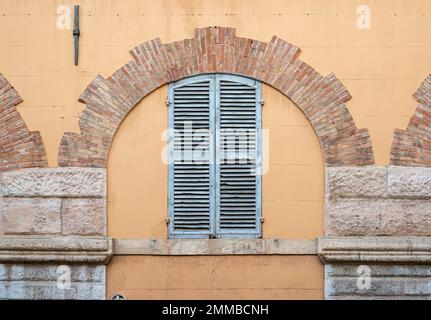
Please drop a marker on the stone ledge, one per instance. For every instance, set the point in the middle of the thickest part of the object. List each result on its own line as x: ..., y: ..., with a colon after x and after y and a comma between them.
x: 54, y: 182
x: 55, y: 249
x: 214, y: 247
x: 330, y: 249
x: 375, y: 249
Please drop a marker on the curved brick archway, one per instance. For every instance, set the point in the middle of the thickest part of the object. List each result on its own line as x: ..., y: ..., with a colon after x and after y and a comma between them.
x: 19, y: 148
x: 412, y: 147
x: 216, y: 49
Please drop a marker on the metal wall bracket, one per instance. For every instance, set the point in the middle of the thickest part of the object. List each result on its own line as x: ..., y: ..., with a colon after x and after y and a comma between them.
x: 76, y: 32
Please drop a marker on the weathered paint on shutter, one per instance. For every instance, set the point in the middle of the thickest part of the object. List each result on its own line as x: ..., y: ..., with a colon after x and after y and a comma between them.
x: 191, y: 173
x: 238, y: 121
x: 209, y: 197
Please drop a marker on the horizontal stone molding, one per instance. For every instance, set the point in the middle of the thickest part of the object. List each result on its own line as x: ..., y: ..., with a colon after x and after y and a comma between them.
x: 377, y: 281
x: 40, y: 281
x: 100, y: 249
x: 216, y: 49
x: 181, y: 247
x: 415, y: 250
x: 55, y: 249
x: 54, y: 182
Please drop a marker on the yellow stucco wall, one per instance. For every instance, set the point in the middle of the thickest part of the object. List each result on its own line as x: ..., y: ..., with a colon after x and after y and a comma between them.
x: 381, y: 68
x: 226, y: 277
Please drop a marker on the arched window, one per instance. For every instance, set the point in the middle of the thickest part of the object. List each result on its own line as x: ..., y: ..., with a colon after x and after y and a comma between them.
x: 215, y: 157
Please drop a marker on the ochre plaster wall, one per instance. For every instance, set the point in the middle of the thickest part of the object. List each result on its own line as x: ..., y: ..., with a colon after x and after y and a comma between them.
x: 222, y: 277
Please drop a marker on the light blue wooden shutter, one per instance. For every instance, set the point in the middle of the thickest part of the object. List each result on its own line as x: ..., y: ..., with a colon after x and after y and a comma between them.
x: 191, y: 175
x: 214, y: 191
x: 238, y: 193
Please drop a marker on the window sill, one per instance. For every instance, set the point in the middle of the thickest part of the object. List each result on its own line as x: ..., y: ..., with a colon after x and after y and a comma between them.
x: 185, y: 247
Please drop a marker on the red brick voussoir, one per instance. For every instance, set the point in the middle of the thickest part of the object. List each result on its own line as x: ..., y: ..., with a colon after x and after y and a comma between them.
x: 412, y: 147
x: 216, y: 49
x: 19, y: 148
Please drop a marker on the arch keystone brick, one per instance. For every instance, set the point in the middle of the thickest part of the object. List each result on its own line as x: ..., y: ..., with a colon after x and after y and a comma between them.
x: 19, y: 148
x: 412, y: 147
x: 216, y: 49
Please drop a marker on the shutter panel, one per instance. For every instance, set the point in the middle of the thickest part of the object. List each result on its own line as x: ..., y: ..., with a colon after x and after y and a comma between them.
x: 191, y: 172
x: 238, y: 194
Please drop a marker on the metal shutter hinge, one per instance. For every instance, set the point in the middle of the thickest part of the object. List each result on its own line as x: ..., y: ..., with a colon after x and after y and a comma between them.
x: 262, y: 102
x: 262, y: 220
x: 168, y: 220
x: 168, y: 102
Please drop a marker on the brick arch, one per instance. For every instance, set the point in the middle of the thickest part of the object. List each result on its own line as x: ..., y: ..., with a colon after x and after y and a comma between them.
x: 412, y: 147
x: 19, y: 148
x: 216, y: 49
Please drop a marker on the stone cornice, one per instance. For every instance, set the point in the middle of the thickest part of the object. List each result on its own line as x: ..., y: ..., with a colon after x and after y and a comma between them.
x: 55, y: 249
x: 40, y: 249
x: 374, y: 249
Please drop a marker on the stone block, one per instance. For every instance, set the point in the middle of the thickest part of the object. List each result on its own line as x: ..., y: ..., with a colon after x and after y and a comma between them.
x: 85, y: 216
x: 373, y: 217
x: 37, y: 290
x: 54, y: 182
x: 50, y: 272
x: 349, y: 217
x: 409, y: 182
x: 30, y: 215
x: 347, y: 182
x: 49, y: 281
